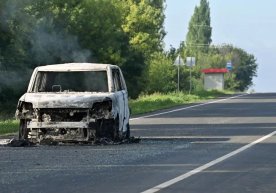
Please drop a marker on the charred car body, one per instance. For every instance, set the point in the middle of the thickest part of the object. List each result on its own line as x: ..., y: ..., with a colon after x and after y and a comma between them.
x: 76, y: 102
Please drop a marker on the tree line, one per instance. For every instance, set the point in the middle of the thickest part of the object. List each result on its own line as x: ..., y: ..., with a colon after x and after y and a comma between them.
x: 128, y: 33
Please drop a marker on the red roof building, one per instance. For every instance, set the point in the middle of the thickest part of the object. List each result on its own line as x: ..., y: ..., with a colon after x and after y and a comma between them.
x: 214, y: 70
x: 214, y: 78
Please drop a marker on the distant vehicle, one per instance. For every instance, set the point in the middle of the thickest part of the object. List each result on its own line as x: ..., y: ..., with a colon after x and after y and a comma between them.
x: 76, y: 102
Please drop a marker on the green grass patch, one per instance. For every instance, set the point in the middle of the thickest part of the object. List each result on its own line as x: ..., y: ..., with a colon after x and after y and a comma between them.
x: 157, y: 101
x: 8, y: 126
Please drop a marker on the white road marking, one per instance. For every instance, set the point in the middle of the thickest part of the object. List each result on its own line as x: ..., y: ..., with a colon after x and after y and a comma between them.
x: 4, y: 141
x: 204, y: 167
x: 193, y: 106
x: 182, y: 137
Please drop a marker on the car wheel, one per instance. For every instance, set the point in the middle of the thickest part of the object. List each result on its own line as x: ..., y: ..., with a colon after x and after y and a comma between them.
x: 23, y: 131
x: 116, y: 134
x: 127, y: 135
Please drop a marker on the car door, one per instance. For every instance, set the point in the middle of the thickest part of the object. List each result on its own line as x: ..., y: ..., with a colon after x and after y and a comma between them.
x: 121, y: 97
x: 125, y: 97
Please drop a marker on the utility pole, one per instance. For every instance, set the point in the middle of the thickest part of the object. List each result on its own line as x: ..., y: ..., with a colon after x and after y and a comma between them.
x: 190, y: 80
x: 190, y: 63
x: 178, y: 61
x: 178, y: 73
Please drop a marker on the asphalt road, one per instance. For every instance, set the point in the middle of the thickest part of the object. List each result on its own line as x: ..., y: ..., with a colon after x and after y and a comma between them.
x: 200, y: 149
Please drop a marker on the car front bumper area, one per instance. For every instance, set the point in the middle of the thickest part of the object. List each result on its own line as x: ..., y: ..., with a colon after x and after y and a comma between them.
x: 61, y: 131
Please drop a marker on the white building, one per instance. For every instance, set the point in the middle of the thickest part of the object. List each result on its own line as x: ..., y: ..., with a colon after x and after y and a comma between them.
x: 214, y: 78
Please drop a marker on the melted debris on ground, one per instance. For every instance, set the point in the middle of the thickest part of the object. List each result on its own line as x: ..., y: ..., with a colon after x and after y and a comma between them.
x: 102, y: 141
x: 19, y: 143
x: 107, y: 141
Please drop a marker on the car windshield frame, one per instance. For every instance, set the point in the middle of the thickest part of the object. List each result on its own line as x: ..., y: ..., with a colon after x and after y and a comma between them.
x: 70, y: 81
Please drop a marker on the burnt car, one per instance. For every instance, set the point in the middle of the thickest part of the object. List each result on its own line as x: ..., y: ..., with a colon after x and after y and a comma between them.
x: 76, y: 102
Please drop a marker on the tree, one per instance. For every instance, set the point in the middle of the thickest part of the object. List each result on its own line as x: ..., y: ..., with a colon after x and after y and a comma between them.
x: 161, y: 74
x: 244, y: 65
x: 143, y: 25
x: 245, y: 68
x: 125, y: 33
x: 199, y: 33
x: 13, y: 41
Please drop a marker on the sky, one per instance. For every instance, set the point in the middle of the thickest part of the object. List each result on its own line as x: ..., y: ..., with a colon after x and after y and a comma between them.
x: 247, y: 24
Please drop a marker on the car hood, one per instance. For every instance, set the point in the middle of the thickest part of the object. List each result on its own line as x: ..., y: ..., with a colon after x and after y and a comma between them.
x: 65, y: 100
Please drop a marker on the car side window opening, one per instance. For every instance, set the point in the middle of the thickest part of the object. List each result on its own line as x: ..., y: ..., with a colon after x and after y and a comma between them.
x: 117, y: 82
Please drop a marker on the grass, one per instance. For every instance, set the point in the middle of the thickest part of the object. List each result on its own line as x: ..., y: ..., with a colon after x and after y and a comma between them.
x: 157, y: 101
x: 144, y: 104
x: 8, y: 126
x: 7, y: 122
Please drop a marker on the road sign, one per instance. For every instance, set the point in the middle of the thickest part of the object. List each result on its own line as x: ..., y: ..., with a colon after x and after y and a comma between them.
x: 229, y: 65
x: 179, y: 61
x: 190, y: 61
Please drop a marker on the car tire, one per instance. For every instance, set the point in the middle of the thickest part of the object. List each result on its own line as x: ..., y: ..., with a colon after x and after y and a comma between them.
x: 116, y: 133
x: 23, y: 130
x: 127, y: 135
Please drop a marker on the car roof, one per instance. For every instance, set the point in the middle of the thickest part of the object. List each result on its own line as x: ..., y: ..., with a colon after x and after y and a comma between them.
x: 76, y: 67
